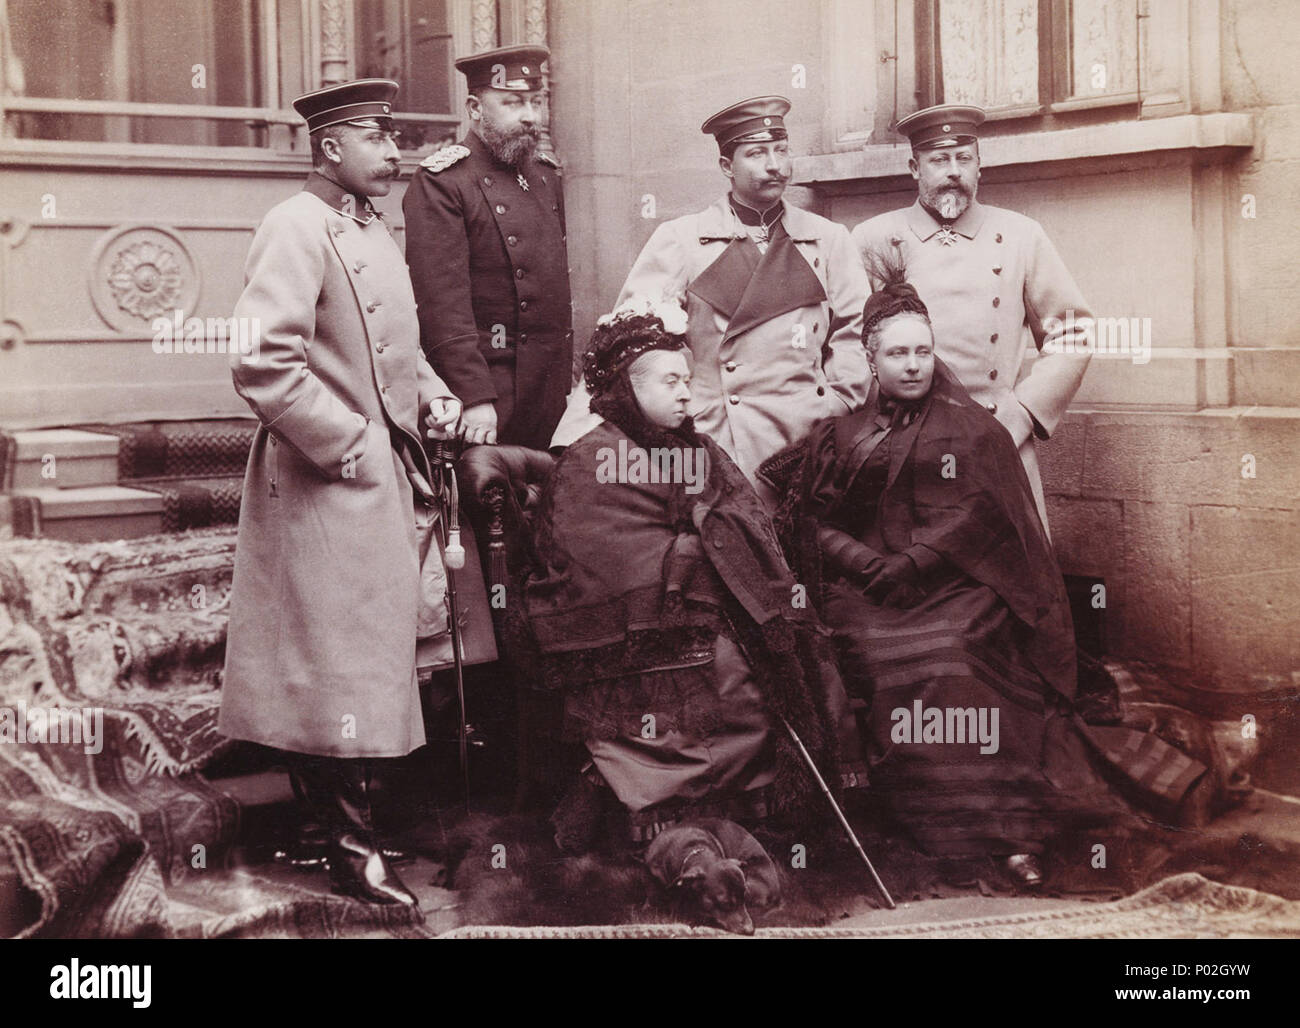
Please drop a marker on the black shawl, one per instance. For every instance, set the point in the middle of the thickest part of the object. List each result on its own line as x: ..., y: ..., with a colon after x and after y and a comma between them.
x: 955, y: 485
x: 637, y: 579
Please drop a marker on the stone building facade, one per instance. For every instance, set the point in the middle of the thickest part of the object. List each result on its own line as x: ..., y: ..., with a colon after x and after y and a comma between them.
x: 1157, y: 141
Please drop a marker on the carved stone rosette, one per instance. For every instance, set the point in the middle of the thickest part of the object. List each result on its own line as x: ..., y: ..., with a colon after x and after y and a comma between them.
x: 139, y: 273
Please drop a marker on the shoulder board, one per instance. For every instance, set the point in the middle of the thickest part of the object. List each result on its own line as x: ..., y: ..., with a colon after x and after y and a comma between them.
x: 547, y: 158
x: 445, y: 158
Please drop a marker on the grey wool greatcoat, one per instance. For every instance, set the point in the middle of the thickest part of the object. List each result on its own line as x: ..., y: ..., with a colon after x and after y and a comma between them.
x: 321, y: 654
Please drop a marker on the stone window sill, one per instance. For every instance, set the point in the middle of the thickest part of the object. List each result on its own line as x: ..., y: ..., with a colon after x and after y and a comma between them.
x: 1223, y: 132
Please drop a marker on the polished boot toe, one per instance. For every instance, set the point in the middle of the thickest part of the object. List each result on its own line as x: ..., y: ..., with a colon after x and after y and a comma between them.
x: 360, y: 870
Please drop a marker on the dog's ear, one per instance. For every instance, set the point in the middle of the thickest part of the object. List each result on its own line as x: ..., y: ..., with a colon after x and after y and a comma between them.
x: 688, y: 877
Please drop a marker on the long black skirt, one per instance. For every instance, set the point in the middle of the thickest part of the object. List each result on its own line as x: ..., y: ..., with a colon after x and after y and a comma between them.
x: 969, y: 749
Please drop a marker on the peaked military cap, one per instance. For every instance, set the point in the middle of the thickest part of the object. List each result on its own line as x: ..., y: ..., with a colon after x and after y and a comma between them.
x: 943, y: 125
x: 759, y: 119
x: 357, y: 101
x: 514, y: 68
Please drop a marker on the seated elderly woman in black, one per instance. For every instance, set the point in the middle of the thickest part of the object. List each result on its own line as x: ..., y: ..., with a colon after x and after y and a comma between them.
x: 914, y: 525
x: 665, y: 612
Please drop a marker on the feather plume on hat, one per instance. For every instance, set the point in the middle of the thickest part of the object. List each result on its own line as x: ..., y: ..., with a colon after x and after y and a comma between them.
x: 895, y: 295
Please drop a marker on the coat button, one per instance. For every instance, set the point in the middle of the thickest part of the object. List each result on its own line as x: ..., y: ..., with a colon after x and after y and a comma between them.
x: 384, y: 388
x: 991, y: 407
x: 717, y: 544
x: 997, y: 301
x: 731, y: 365
x: 519, y: 272
x: 379, y: 347
x: 821, y: 390
x: 371, y: 306
x: 500, y: 208
x: 994, y: 373
x: 487, y: 180
x: 998, y: 238
x: 523, y: 338
x: 523, y: 305
x: 555, y: 207
x: 993, y: 338
x: 997, y: 269
x: 358, y: 266
x: 734, y: 398
x: 817, y: 262
x: 512, y: 240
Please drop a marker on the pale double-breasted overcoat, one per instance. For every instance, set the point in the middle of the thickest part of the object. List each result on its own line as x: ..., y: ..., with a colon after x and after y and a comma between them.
x: 321, y: 653
x: 776, y: 348
x: 999, y: 298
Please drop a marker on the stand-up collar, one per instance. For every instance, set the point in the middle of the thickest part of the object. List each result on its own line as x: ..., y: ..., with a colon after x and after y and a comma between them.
x: 753, y: 217
x: 924, y: 224
x: 351, y: 205
x: 719, y: 223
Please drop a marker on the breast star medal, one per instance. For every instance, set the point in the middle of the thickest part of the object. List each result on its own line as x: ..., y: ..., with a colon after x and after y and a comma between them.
x: 947, y: 236
x: 523, y: 182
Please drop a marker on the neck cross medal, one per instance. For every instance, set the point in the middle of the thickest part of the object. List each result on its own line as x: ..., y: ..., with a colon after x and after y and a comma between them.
x: 523, y: 182
x: 947, y: 236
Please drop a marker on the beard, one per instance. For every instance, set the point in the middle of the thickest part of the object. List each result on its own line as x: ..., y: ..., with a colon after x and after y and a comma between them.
x: 509, y: 146
x: 948, y: 201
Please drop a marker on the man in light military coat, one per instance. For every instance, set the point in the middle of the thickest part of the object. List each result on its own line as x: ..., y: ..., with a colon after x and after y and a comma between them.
x: 773, y: 297
x: 327, y: 588
x: 991, y: 279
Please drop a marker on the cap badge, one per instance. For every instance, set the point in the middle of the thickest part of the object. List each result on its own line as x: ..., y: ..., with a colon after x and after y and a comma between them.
x: 524, y: 69
x: 767, y: 121
x: 947, y: 128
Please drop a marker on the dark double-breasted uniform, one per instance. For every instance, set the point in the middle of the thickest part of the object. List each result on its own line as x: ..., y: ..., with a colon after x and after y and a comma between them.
x: 490, y: 271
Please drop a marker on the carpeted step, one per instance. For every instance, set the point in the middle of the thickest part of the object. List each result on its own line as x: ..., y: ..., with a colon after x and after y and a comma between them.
x: 100, y: 481
x: 178, y: 450
x: 196, y: 502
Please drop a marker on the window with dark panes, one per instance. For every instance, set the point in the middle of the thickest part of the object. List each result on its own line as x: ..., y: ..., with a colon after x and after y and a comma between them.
x: 208, y: 72
x: 410, y: 42
x: 1008, y: 54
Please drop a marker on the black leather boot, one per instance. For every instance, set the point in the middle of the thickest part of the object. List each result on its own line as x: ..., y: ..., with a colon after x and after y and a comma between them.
x: 310, y: 847
x: 338, y: 792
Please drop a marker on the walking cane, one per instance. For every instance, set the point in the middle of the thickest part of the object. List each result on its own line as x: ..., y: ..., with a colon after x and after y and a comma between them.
x: 844, y: 822
x: 453, y: 560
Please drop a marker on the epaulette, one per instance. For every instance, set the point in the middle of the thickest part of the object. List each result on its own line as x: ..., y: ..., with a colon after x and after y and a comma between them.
x: 445, y: 158
x: 550, y: 159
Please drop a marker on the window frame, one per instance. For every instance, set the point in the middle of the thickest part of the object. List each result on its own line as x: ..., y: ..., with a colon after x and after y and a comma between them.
x: 285, y: 136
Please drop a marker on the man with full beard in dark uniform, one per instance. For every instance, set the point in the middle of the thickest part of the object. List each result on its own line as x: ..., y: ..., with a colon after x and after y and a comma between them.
x: 485, y: 242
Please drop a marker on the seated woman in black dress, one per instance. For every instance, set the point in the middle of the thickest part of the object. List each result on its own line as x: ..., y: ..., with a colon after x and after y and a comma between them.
x: 663, y: 609
x: 913, y: 522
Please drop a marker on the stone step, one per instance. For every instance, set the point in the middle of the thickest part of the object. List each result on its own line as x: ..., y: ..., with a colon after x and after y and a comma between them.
x: 95, y: 512
x: 63, y: 458
x: 163, y: 450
